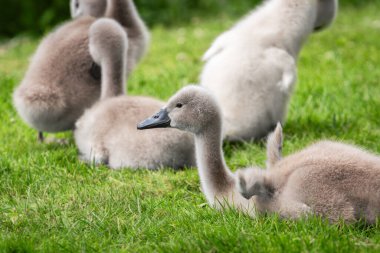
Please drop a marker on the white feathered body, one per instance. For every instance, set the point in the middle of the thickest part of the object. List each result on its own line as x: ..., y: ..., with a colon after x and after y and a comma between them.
x: 251, y: 69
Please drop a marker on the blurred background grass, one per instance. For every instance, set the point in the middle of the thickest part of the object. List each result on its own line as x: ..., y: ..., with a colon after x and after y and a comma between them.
x: 35, y: 17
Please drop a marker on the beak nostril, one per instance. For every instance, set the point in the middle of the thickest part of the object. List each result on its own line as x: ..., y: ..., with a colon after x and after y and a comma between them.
x: 158, y: 120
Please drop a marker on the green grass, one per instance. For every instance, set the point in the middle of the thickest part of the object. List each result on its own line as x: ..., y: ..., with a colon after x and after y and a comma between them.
x: 51, y: 202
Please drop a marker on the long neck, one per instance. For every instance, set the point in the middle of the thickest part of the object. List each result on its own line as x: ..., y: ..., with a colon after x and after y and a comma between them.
x: 113, y: 78
x: 300, y: 17
x: 281, y: 23
x: 124, y: 11
x: 216, y: 179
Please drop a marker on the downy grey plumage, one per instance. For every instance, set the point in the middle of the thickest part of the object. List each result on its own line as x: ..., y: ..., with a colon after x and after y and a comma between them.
x: 62, y: 79
x: 330, y: 179
x: 106, y: 133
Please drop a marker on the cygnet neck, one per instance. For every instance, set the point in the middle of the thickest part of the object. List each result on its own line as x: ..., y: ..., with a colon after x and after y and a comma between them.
x: 124, y: 11
x: 216, y: 178
x: 113, y: 77
x: 301, y: 15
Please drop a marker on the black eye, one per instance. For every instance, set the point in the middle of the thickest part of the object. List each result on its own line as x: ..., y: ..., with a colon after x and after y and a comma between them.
x: 95, y: 71
x: 76, y: 4
x: 178, y: 105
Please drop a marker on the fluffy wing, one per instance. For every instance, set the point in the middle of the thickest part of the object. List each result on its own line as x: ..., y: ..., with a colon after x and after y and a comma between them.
x: 218, y: 45
x: 285, y: 62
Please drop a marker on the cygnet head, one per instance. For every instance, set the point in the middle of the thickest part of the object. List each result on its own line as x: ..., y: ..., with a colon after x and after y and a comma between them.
x: 192, y: 109
x: 326, y: 13
x: 252, y: 182
x: 108, y: 40
x: 93, y: 8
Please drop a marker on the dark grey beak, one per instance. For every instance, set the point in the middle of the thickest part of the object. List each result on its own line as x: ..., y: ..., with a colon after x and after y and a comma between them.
x: 159, y: 120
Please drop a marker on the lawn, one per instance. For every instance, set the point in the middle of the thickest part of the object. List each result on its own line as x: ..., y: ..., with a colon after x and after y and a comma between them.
x: 50, y: 202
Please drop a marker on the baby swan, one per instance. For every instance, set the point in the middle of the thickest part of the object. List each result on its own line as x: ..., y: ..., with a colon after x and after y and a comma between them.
x: 195, y: 110
x: 126, y: 13
x: 107, y: 133
x: 330, y: 179
x: 251, y: 69
x: 62, y: 79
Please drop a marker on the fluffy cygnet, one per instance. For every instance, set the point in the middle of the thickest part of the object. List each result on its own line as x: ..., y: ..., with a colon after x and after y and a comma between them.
x: 63, y: 79
x: 107, y: 133
x: 251, y: 68
x: 330, y: 179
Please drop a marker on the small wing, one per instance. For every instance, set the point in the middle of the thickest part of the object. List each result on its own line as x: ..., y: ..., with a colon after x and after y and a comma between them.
x: 217, y: 46
x: 286, y: 63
